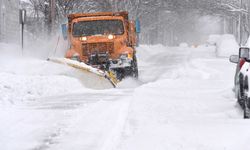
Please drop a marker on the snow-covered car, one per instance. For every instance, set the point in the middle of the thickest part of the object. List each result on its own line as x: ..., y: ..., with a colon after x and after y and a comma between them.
x: 241, y: 81
x: 226, y: 46
x: 213, y: 39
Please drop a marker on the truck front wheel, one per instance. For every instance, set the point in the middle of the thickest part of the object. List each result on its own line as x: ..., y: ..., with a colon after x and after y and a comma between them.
x: 131, y: 71
x: 134, y: 68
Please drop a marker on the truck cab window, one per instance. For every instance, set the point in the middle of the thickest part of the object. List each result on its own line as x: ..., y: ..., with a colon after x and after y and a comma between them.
x: 98, y: 27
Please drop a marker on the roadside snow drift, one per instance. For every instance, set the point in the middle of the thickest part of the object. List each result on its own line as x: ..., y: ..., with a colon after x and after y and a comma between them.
x: 226, y: 45
x: 213, y: 39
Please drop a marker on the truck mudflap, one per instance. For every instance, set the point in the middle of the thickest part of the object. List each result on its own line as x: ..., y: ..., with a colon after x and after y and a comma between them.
x: 104, y: 76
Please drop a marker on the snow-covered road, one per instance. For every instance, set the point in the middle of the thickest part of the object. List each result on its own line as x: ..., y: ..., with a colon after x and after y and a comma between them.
x: 183, y: 101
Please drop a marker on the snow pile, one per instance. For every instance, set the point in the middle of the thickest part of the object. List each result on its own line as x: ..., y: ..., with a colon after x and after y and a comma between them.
x: 23, y: 78
x: 16, y: 88
x: 183, y: 45
x: 213, y: 39
x: 29, y: 79
x: 226, y: 46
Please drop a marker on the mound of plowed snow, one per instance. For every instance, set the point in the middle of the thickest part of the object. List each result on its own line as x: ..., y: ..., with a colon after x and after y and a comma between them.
x: 26, y: 79
x: 226, y: 46
x: 23, y: 78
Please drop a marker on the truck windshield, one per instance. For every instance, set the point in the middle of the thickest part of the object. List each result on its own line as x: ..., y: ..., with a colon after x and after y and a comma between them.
x: 98, y: 27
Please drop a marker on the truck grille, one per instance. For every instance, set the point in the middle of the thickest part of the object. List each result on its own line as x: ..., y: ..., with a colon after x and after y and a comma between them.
x: 90, y: 48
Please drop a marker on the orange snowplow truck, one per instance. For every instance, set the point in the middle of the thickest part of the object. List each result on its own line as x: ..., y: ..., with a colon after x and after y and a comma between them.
x: 104, y: 40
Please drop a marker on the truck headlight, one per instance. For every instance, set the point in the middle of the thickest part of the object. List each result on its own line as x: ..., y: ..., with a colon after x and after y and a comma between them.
x: 83, y: 38
x: 130, y: 56
x: 111, y: 37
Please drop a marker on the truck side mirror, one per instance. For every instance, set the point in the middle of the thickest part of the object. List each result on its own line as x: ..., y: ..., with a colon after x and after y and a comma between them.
x: 64, y: 31
x: 244, y: 52
x: 138, y: 25
x: 234, y: 59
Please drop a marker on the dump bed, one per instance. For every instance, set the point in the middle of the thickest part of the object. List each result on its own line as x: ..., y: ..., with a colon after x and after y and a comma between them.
x: 124, y: 14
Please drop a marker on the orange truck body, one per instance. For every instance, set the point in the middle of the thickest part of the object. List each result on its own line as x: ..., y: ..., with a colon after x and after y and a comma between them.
x: 114, y: 45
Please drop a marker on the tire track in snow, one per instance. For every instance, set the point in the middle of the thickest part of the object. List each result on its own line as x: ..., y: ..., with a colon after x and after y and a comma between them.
x: 114, y: 138
x: 74, y: 108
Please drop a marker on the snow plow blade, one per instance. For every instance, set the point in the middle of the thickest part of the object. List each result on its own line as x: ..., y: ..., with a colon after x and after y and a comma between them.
x: 89, y: 76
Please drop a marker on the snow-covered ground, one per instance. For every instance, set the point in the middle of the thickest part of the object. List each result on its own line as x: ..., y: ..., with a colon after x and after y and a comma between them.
x: 183, y: 101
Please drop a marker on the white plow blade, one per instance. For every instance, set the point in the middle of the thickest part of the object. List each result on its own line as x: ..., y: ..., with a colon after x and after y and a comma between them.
x: 89, y: 76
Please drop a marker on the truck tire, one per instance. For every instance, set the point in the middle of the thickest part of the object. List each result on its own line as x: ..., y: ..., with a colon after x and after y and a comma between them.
x: 134, y: 68
x: 240, y: 95
x: 240, y: 100
x: 131, y: 71
x: 241, y: 85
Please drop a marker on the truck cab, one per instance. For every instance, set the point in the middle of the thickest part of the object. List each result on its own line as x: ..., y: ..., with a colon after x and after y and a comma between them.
x: 104, y: 40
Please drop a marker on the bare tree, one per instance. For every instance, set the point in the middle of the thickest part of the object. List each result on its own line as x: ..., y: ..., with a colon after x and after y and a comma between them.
x: 154, y: 14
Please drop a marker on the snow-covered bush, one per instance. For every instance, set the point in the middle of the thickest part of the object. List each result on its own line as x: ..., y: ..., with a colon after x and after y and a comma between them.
x: 226, y: 46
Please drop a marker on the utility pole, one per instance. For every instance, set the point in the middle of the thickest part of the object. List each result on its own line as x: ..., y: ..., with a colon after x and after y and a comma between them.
x: 22, y: 21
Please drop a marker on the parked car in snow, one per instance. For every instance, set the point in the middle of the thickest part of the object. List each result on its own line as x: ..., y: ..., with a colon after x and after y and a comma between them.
x: 213, y: 39
x: 226, y: 46
x: 241, y: 81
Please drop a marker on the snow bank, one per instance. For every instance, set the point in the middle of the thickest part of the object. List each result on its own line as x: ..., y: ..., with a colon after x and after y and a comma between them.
x: 183, y: 45
x: 17, y: 88
x: 24, y: 78
x: 213, y: 39
x: 226, y: 46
